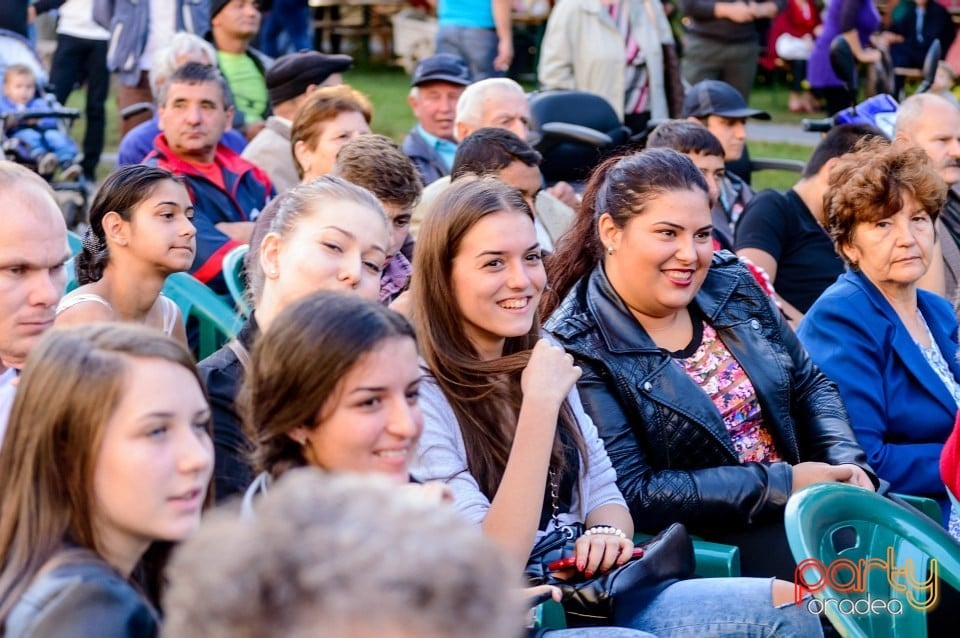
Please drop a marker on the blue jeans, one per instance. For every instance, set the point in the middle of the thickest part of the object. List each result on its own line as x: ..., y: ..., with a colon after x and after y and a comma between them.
x: 705, y: 607
x: 286, y: 16
x: 49, y: 140
x: 478, y: 47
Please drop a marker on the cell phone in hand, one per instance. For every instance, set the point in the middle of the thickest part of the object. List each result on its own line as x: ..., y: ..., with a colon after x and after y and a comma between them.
x: 571, y: 561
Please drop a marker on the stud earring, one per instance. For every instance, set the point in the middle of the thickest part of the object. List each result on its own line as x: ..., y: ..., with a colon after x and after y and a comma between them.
x: 609, y: 250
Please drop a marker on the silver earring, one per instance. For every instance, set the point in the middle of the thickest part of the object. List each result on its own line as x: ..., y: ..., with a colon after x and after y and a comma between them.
x: 609, y: 250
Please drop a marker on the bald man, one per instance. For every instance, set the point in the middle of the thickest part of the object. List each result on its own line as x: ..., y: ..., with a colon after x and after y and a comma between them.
x: 933, y: 124
x: 33, y: 251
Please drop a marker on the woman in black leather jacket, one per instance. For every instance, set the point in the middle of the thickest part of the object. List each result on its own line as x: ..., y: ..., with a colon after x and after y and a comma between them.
x: 710, y: 409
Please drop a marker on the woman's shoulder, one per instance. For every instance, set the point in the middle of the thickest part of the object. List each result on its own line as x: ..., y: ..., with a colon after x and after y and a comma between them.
x: 82, y: 598
x: 83, y: 303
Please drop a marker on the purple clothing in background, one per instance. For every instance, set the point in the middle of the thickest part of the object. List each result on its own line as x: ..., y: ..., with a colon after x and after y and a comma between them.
x: 842, y: 16
x: 138, y: 143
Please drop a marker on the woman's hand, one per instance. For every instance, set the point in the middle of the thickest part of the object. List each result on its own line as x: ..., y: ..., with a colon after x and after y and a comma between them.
x: 599, y: 552
x: 550, y: 374
x: 858, y: 477
x: 811, y: 472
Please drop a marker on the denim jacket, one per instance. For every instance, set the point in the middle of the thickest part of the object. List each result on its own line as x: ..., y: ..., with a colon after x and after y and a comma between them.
x: 128, y: 23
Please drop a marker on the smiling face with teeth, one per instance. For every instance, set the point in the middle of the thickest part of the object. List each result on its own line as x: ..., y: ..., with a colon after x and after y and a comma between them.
x: 661, y: 255
x: 371, y: 422
x: 497, y: 278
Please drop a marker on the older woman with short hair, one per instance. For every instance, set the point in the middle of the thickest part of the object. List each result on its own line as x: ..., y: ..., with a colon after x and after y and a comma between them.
x: 331, y: 117
x: 890, y: 347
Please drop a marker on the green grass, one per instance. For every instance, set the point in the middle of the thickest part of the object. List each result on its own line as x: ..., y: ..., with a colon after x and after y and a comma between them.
x: 781, y: 180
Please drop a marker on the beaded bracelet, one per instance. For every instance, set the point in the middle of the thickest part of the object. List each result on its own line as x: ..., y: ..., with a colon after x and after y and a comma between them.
x: 605, y: 530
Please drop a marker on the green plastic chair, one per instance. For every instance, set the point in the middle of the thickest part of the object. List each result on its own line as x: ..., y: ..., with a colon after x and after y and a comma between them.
x: 235, y: 276
x: 217, y: 321
x: 833, y: 521
x: 713, y: 560
x: 75, y: 242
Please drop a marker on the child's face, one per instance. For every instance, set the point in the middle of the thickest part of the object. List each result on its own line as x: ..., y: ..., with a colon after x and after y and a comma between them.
x: 19, y: 87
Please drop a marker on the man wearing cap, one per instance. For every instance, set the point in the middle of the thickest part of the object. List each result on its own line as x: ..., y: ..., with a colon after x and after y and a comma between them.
x: 721, y: 108
x: 721, y: 40
x: 233, y: 25
x: 290, y: 80
x: 437, y: 84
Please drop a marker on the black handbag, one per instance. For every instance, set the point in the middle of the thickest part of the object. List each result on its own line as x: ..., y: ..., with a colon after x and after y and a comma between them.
x: 667, y: 557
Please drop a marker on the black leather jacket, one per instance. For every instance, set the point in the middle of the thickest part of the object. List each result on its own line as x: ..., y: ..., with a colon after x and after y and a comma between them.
x: 86, y: 598
x: 674, y: 458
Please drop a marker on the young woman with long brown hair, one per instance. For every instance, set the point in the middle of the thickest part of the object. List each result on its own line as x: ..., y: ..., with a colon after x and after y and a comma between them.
x: 504, y: 426
x: 105, y: 463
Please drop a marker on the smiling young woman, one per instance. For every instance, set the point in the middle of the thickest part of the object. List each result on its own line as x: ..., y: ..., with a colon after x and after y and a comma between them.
x: 711, y: 411
x: 504, y: 426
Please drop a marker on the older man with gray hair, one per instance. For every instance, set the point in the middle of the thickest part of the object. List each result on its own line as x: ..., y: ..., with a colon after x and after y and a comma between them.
x: 933, y: 123
x: 183, y: 47
x: 499, y: 103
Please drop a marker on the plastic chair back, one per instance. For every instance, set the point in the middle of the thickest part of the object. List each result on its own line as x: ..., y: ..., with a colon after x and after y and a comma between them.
x: 236, y: 277
x: 75, y: 242
x: 828, y: 523
x: 216, y: 321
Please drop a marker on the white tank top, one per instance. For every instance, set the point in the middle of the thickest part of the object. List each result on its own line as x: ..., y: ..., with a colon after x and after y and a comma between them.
x: 167, y: 306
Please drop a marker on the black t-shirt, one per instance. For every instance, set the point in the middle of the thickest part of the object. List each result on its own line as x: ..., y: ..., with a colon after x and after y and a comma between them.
x: 781, y: 225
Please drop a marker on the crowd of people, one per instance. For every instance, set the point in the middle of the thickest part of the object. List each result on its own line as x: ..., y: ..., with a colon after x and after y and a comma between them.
x: 448, y: 364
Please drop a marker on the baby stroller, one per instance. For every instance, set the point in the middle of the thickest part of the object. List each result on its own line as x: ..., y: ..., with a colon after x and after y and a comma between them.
x: 71, y: 194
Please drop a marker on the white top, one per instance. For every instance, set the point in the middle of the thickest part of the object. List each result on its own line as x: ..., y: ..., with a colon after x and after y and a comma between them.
x: 441, y: 456
x: 76, y: 20
x: 160, y: 28
x: 75, y: 297
x: 7, y: 393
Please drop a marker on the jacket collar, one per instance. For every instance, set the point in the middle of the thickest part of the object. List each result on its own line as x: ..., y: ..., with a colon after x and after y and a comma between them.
x: 617, y: 324
x: 223, y: 157
x: 904, y: 345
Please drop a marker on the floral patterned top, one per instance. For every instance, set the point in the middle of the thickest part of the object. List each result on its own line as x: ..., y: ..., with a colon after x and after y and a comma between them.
x: 719, y: 374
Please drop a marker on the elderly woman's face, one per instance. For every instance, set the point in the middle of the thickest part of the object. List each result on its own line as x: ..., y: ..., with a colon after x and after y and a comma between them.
x: 333, y: 134
x: 894, y: 252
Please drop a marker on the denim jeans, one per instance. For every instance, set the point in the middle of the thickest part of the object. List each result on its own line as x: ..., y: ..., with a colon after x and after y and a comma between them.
x: 598, y: 632
x: 705, y: 607
x: 478, y: 47
x: 48, y: 141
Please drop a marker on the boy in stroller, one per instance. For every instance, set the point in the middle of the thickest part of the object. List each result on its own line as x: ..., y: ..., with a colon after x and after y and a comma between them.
x: 40, y: 141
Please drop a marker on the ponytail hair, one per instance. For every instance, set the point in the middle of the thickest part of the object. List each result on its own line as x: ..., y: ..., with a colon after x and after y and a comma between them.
x: 620, y: 187
x: 120, y: 193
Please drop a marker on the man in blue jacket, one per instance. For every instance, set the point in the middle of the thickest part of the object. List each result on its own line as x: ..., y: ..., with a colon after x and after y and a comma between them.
x: 228, y: 192
x: 437, y: 84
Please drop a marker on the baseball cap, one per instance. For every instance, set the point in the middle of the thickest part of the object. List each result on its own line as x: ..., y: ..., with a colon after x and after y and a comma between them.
x: 442, y: 67
x: 713, y: 97
x: 291, y: 74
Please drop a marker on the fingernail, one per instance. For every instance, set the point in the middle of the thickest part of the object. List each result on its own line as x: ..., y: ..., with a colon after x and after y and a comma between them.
x: 580, y: 565
x: 588, y: 574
